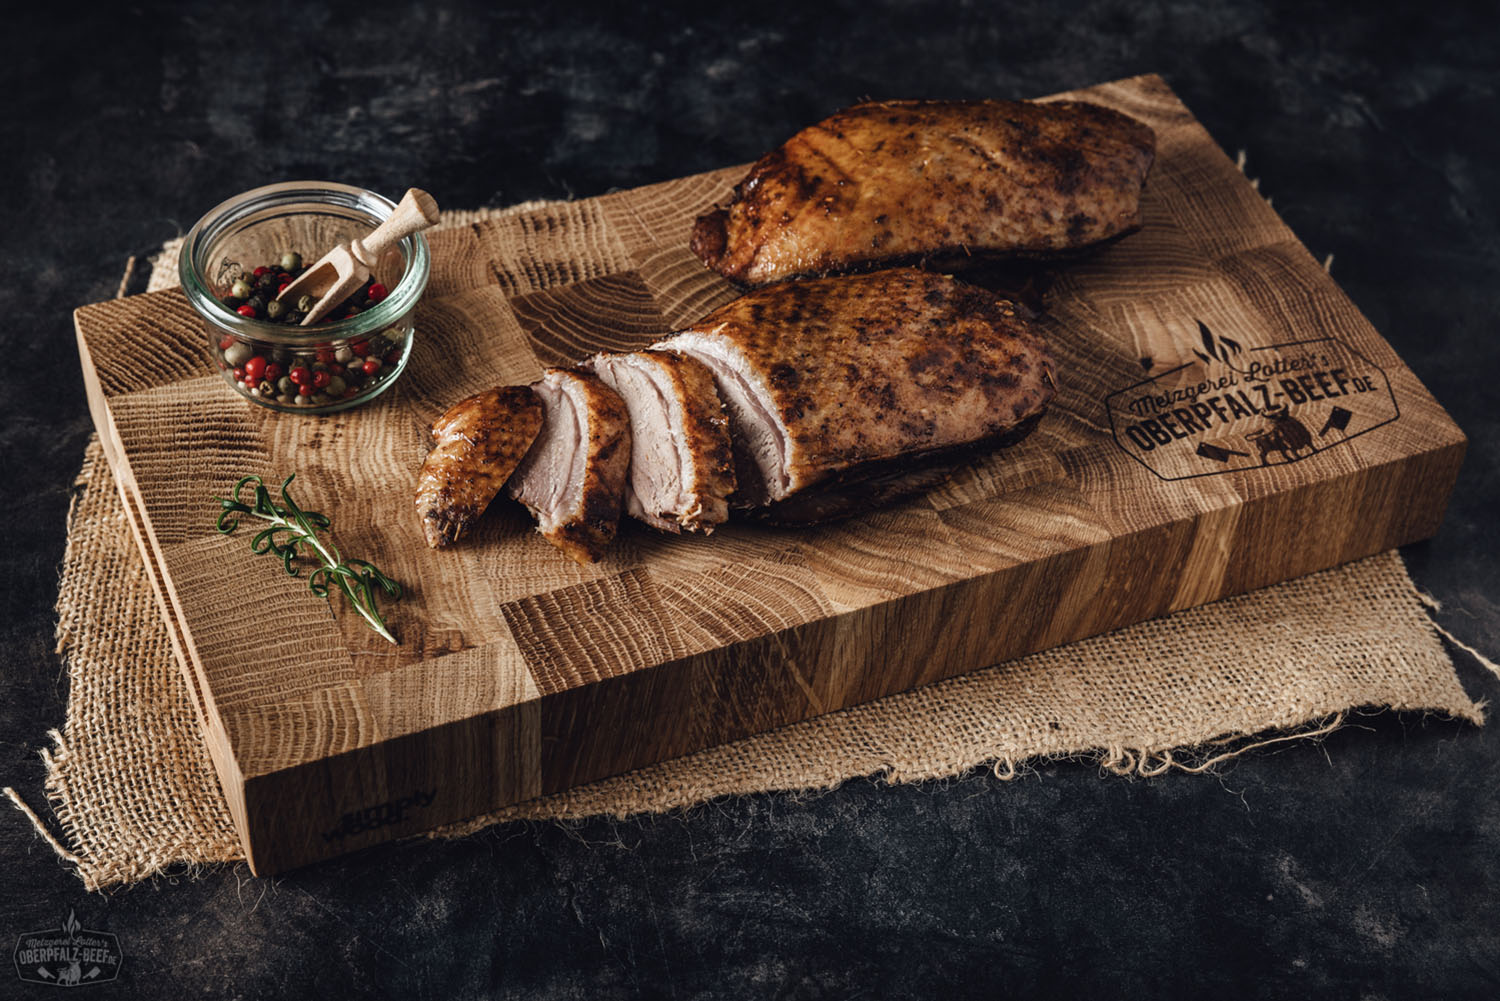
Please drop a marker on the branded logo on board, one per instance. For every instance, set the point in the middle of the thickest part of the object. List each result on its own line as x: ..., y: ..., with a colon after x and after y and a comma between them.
x: 69, y: 956
x: 380, y: 815
x: 1235, y: 407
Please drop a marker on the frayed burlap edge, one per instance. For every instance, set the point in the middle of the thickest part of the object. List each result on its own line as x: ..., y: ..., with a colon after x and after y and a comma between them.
x: 134, y: 793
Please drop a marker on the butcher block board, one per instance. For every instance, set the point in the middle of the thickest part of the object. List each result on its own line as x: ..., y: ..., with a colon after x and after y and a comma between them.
x: 1226, y: 419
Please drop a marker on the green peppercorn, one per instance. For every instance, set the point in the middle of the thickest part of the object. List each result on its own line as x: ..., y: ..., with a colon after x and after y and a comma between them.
x: 240, y: 289
x: 336, y: 386
x: 305, y: 304
x: 285, y: 386
x: 275, y: 308
x: 291, y: 261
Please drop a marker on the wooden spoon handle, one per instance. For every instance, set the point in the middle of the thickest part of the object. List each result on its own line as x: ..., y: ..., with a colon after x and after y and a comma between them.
x: 415, y: 212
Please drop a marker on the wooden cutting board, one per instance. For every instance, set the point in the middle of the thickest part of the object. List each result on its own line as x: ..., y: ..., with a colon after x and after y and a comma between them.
x: 1227, y: 419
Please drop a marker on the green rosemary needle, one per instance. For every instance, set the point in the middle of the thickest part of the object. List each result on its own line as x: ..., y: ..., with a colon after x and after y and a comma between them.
x: 292, y: 528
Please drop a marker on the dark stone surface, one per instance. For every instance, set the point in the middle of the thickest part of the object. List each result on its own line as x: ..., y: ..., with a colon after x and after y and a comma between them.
x: 1364, y: 867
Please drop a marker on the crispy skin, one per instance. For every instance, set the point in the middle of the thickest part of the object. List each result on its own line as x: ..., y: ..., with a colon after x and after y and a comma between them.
x: 907, y: 181
x: 859, y: 370
x: 477, y: 445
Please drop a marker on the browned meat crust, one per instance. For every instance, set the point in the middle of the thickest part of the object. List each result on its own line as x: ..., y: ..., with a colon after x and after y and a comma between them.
x: 826, y: 375
x: 907, y: 181
x: 477, y: 444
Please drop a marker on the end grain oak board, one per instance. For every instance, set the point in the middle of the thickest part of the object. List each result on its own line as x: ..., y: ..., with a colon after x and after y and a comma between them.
x: 1226, y: 419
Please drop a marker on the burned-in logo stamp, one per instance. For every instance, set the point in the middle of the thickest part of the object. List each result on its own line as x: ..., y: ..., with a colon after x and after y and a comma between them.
x: 1235, y: 408
x: 380, y: 815
x: 70, y: 956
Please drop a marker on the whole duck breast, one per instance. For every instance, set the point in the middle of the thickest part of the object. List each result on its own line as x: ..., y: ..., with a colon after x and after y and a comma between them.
x: 829, y: 379
x: 889, y: 182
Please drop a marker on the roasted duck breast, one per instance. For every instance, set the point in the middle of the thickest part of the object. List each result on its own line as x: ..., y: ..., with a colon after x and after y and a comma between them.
x: 573, y: 479
x: 681, y: 466
x: 915, y: 181
x: 828, y: 379
x: 477, y: 444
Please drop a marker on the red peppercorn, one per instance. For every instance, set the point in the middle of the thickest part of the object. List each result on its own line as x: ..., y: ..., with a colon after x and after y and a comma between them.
x: 360, y: 348
x: 350, y: 391
x: 334, y: 368
x: 239, y: 374
x: 393, y: 356
x: 376, y: 292
x: 255, y: 368
x: 226, y: 344
x: 300, y: 375
x: 247, y: 310
x: 320, y: 379
x: 282, y: 287
x: 260, y: 271
x: 371, y: 366
x: 273, y: 372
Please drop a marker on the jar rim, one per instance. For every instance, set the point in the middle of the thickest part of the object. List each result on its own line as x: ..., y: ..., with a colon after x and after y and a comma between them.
x: 204, y: 298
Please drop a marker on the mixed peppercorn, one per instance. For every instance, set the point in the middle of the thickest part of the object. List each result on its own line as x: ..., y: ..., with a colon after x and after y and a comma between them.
x: 252, y: 294
x: 304, y: 377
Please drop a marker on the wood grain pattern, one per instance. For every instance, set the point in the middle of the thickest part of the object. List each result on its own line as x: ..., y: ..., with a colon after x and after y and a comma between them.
x: 1226, y: 419
x: 613, y: 313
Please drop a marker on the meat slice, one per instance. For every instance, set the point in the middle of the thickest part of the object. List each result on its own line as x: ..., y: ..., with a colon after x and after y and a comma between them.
x: 834, y: 377
x: 681, y: 465
x: 573, y: 479
x: 477, y: 444
x: 890, y: 182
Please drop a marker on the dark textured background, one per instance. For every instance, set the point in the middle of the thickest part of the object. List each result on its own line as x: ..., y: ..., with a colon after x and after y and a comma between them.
x: 1363, y: 867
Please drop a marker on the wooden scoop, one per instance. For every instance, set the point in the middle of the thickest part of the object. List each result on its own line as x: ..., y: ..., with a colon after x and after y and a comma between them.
x: 345, y: 268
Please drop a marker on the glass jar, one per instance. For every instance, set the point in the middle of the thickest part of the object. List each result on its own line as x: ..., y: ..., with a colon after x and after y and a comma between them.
x: 317, y: 369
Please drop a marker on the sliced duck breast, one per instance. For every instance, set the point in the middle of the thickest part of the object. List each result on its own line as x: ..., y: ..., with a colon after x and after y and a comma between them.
x: 826, y: 377
x: 681, y: 465
x: 573, y: 479
x: 477, y: 444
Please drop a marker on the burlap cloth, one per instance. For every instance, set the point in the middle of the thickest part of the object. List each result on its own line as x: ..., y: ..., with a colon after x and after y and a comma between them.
x: 134, y: 792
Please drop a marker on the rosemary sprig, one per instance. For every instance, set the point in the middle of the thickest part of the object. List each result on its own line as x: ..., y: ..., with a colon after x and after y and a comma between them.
x: 292, y: 528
